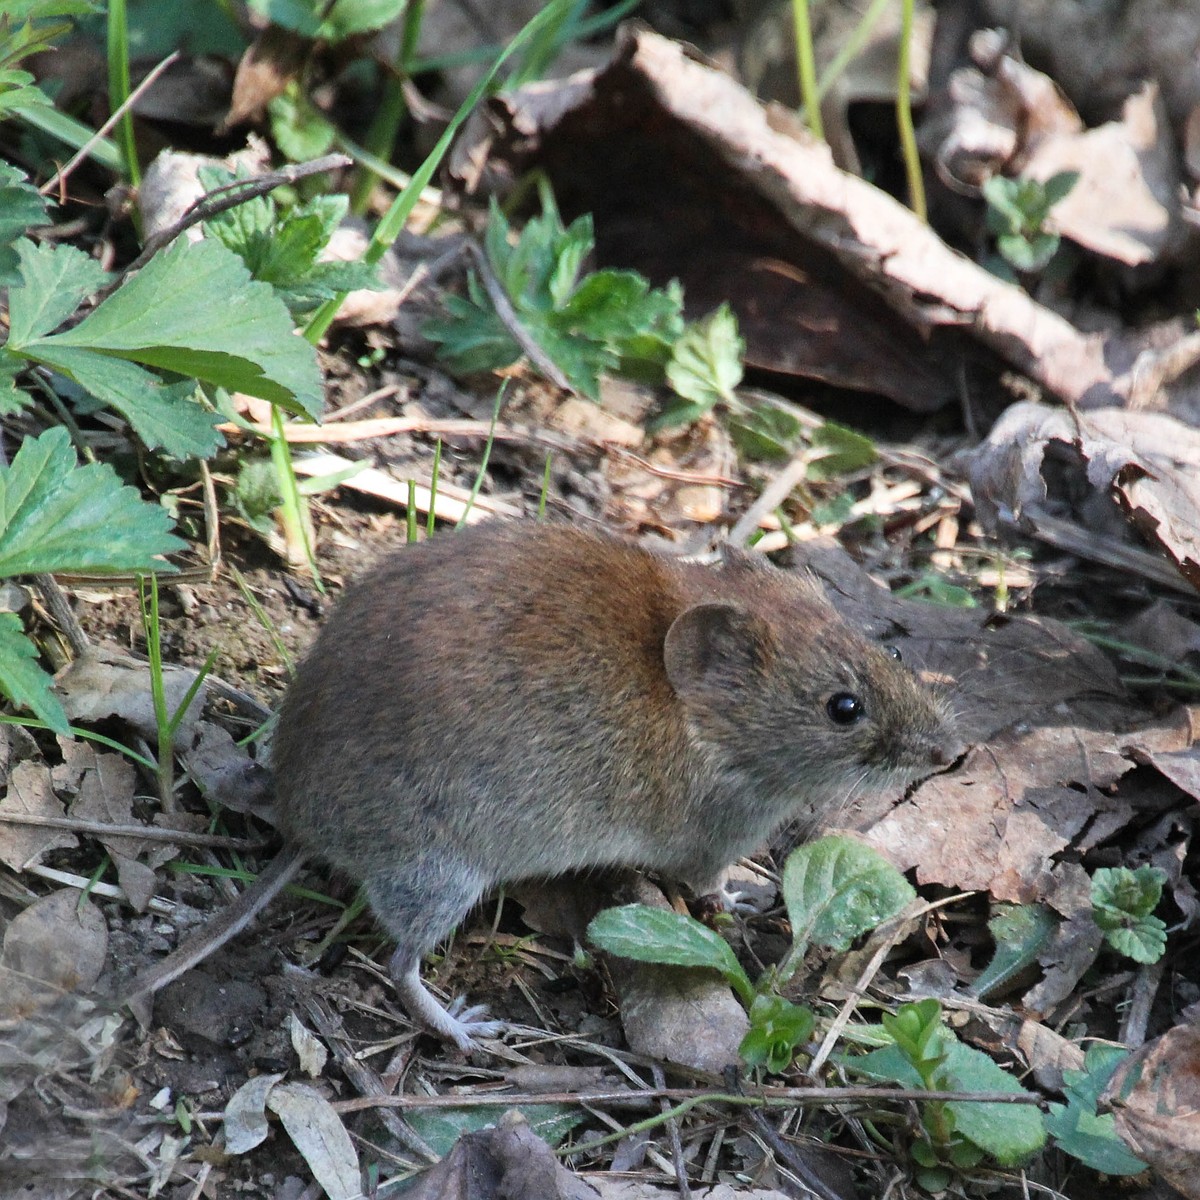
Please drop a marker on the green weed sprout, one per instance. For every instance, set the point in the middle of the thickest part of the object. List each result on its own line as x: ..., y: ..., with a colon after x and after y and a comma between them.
x: 835, y: 889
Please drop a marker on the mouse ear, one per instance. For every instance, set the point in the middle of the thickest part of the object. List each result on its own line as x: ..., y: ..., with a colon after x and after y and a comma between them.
x: 710, y: 646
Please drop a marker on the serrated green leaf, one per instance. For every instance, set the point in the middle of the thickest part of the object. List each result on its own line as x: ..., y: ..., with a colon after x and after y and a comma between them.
x: 55, y: 279
x: 194, y: 310
x: 57, y: 516
x: 349, y: 17
x: 837, y: 888
x: 474, y: 338
x: 1076, y: 1126
x: 659, y: 935
x: 1145, y: 941
x: 22, y: 680
x: 573, y: 247
x: 163, y: 415
x: 1010, y: 1133
x: 21, y: 207
x: 299, y: 129
x: 1118, y: 892
x: 706, y: 364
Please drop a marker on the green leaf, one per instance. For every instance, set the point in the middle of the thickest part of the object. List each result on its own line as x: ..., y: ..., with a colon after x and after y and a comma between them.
x: 162, y: 415
x: 1076, y: 1126
x: 847, y: 450
x: 1123, y: 902
x: 1009, y: 1133
x: 659, y: 935
x: 299, y: 129
x: 837, y: 888
x: 442, y: 1127
x: 20, y: 208
x: 1058, y: 186
x: 194, y: 310
x: 55, y: 279
x: 348, y: 17
x: 1020, y: 933
x: 1144, y: 942
x: 1118, y: 892
x: 777, y: 1028
x: 57, y: 516
x: 706, y: 365
x: 764, y: 433
x: 22, y: 680
x: 1028, y: 252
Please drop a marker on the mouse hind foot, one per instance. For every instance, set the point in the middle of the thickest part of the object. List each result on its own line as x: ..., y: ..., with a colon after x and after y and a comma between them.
x: 456, y: 1023
x: 419, y: 907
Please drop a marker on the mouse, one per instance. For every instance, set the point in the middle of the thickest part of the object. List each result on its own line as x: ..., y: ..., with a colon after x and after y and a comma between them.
x: 520, y: 699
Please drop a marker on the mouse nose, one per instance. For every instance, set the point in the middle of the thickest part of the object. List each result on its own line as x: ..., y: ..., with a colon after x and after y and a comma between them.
x: 942, y: 754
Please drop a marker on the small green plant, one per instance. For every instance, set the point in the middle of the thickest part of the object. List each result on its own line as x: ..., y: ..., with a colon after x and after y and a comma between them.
x: 589, y: 324
x: 29, y: 27
x: 284, y: 248
x: 1017, y: 210
x: 192, y: 311
x: 1123, y: 904
x: 918, y: 1051
x: 835, y: 889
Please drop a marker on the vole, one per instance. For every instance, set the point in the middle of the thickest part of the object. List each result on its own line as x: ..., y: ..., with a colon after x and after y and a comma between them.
x: 521, y: 699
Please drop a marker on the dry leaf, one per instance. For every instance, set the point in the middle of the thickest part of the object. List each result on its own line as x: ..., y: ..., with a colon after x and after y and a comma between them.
x: 506, y: 1162
x: 102, y: 684
x: 58, y: 944
x: 30, y: 792
x: 1125, y: 205
x: 245, y: 1118
x: 318, y: 1133
x: 1143, y: 462
x: 1155, y: 1098
x: 310, y: 1050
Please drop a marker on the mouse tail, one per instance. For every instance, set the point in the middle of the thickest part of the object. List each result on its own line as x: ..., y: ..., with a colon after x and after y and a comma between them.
x: 282, y: 869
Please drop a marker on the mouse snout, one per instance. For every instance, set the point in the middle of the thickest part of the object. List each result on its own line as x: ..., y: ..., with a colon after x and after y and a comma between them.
x: 943, y: 753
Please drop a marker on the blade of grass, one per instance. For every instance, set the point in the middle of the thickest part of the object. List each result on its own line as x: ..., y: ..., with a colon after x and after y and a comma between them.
x: 487, y: 454
x: 118, y: 87
x: 88, y: 736
x: 806, y: 67
x: 904, y: 120
x: 190, y: 695
x: 431, y: 520
x: 75, y: 134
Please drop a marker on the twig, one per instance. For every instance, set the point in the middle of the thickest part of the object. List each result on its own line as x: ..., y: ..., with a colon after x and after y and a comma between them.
x: 228, y: 196
x: 147, y: 833
x: 775, y: 493
x: 138, y: 92
x: 331, y: 1028
x: 766, y: 1097
x: 681, y: 1179
x: 508, y: 317
x: 63, y: 614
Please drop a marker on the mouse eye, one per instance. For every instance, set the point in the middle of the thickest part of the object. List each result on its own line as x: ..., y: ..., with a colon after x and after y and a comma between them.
x: 844, y: 708
x: 893, y: 652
